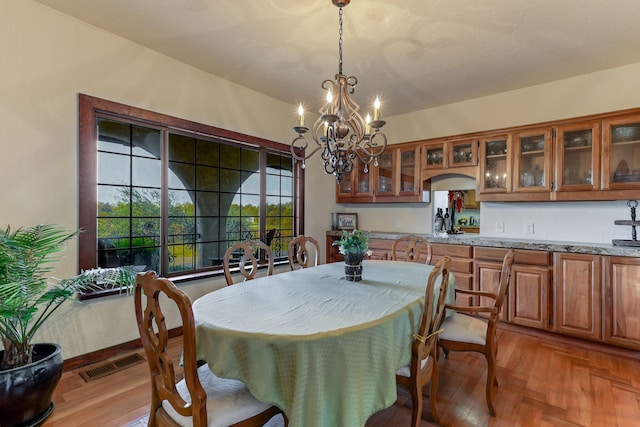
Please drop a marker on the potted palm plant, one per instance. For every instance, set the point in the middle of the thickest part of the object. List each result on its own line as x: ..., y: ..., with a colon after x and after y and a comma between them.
x: 30, y: 372
x: 353, y: 246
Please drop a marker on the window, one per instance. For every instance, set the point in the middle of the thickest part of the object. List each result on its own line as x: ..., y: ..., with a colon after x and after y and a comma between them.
x: 170, y: 195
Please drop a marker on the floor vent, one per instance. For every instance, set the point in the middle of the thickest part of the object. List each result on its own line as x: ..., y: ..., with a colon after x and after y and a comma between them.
x: 111, y: 367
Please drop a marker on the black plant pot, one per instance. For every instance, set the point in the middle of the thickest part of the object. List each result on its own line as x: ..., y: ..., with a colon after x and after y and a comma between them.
x: 353, y: 267
x: 25, y: 392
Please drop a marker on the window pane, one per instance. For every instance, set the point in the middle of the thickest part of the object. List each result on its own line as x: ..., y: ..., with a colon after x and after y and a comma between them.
x: 148, y: 227
x: 114, y: 136
x: 181, y: 203
x: 273, y: 206
x: 207, y: 204
x: 273, y: 184
x: 145, y: 142
x: 251, y: 182
x: 229, y: 180
x: 208, y: 153
x: 145, y: 202
x: 113, y: 228
x: 273, y: 164
x: 182, y: 148
x: 113, y: 168
x: 146, y: 172
x: 207, y: 178
x: 230, y: 156
x: 182, y: 176
x: 250, y: 206
x: 250, y: 160
x: 113, y: 201
x: 286, y: 186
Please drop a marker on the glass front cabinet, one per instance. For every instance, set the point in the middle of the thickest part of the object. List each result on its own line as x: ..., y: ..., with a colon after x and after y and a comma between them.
x: 532, y: 161
x: 495, y: 164
x: 395, y: 178
x: 621, y: 153
x: 577, y: 158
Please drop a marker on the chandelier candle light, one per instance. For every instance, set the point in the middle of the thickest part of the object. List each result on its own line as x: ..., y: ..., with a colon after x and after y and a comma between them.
x: 340, y: 131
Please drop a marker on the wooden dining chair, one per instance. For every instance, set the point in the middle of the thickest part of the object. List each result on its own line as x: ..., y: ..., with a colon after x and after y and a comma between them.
x: 246, y: 255
x: 464, y: 330
x: 201, y: 398
x: 423, y: 368
x: 299, y: 252
x: 414, y: 249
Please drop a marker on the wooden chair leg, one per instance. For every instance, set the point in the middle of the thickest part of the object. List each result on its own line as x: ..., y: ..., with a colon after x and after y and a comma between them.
x: 434, y: 390
x: 491, y: 379
x: 416, y: 405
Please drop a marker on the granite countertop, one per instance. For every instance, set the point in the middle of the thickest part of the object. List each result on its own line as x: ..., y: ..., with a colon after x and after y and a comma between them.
x: 538, y: 245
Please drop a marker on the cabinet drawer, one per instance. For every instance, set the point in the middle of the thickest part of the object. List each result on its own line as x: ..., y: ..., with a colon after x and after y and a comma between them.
x: 460, y: 251
x: 523, y: 256
x: 457, y: 265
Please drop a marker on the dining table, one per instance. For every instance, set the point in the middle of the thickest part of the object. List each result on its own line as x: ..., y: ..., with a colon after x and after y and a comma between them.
x: 323, y: 349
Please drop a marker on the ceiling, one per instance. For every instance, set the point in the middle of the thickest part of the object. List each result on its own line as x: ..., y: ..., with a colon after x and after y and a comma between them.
x: 415, y: 54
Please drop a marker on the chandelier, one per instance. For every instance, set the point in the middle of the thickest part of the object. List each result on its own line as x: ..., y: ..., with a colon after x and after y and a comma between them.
x: 340, y: 131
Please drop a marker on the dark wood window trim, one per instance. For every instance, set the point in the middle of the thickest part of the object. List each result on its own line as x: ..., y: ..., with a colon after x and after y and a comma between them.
x: 89, y: 109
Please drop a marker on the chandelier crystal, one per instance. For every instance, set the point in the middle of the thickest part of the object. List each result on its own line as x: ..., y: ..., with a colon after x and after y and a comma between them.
x: 340, y: 132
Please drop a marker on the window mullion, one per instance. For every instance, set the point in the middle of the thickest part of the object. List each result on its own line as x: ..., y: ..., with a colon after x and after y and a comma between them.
x: 164, y: 202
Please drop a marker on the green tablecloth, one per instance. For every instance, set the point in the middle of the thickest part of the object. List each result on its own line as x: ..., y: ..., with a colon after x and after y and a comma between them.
x: 323, y: 349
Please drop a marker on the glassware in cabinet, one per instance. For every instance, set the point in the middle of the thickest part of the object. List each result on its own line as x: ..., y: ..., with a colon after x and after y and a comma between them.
x: 495, y: 164
x: 577, y: 157
x: 532, y: 160
x: 621, y: 153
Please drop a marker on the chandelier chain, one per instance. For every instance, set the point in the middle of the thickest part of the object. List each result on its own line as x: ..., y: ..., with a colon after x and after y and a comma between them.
x: 340, y: 42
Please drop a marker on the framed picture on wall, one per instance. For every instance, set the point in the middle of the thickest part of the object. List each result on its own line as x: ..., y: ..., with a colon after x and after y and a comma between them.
x: 347, y: 221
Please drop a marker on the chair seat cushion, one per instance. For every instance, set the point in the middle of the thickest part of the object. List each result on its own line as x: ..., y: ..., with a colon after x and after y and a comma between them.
x: 463, y: 328
x: 405, y: 371
x: 228, y: 401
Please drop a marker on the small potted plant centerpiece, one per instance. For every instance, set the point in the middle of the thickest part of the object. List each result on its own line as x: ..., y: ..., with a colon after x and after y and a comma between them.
x: 353, y: 246
x: 30, y: 372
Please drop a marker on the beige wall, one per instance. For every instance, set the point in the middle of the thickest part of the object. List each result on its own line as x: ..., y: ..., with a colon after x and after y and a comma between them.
x: 48, y: 58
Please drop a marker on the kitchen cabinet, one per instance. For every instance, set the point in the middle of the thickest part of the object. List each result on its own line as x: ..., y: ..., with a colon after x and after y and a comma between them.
x: 495, y: 165
x: 396, y: 178
x: 459, y: 156
x: 622, y: 299
x: 577, y: 295
x: 527, y: 301
x: 470, y: 201
x: 358, y: 185
x: 621, y: 153
x: 461, y: 266
x: 532, y: 154
x: 577, y: 158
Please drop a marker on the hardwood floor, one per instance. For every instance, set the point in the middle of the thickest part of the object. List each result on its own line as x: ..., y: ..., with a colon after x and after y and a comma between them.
x: 542, y: 382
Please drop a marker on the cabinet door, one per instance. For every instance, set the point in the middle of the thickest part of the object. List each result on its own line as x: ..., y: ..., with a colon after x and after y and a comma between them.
x: 532, y: 161
x: 463, y: 153
x: 578, y: 295
x: 363, y: 174
x: 495, y: 164
x: 385, y: 181
x: 529, y: 296
x: 622, y: 299
x: 433, y: 156
x: 357, y: 186
x: 621, y: 153
x: 408, y: 171
x: 487, y: 278
x: 578, y: 157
